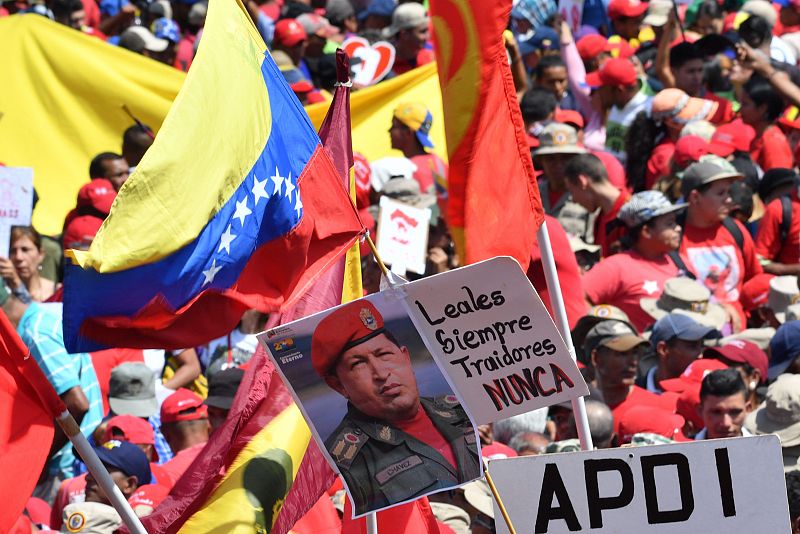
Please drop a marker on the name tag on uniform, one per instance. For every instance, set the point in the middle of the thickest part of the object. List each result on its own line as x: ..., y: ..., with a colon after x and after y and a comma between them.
x: 393, y: 470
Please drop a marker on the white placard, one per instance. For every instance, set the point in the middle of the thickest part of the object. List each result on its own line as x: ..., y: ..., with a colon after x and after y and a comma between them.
x: 403, y: 235
x: 493, y: 337
x: 16, y: 202
x: 571, y: 12
x: 711, y: 487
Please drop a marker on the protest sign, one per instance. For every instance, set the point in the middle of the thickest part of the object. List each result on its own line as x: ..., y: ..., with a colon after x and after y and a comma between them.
x: 403, y: 236
x: 710, y: 486
x: 16, y: 202
x: 494, y: 339
x: 372, y: 395
x: 373, y: 61
x: 571, y: 12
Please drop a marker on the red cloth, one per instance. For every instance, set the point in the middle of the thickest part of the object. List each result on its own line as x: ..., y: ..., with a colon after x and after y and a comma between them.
x: 768, y: 240
x: 185, y: 53
x: 660, y: 162
x: 493, y: 205
x: 38, y: 511
x: 28, y: 405
x: 175, y: 468
x: 772, y: 150
x: 424, y: 57
x: 724, y: 112
x: 623, y: 279
x: 91, y: 13
x: 601, y: 237
x: 431, y: 170
x: 321, y: 519
x: 105, y: 360
x: 715, y: 258
x: 421, y: 427
x: 416, y: 517
x: 640, y: 397
x: 569, y: 274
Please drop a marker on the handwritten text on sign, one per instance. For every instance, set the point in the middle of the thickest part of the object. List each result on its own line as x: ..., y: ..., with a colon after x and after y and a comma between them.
x: 713, y: 487
x: 494, y: 339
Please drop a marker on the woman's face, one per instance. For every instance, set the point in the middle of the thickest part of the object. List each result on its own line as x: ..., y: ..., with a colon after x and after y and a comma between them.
x: 750, y: 112
x: 25, y: 257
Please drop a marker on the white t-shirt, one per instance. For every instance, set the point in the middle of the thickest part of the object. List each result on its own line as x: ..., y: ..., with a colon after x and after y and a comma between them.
x: 620, y: 119
x: 215, y: 357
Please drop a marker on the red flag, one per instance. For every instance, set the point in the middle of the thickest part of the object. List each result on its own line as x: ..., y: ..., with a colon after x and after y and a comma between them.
x: 28, y: 405
x: 494, y: 206
x: 416, y: 517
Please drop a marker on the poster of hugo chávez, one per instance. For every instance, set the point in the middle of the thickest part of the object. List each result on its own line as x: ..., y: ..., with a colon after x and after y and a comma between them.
x: 377, y: 403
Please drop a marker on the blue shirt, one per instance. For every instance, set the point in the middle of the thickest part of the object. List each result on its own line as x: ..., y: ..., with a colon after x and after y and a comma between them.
x: 41, y: 330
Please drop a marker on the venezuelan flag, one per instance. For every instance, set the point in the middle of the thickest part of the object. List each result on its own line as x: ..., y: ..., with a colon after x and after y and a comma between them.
x: 235, y: 206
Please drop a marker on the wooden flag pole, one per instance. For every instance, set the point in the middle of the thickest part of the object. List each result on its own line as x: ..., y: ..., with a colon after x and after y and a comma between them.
x: 99, y: 472
x: 496, y: 496
x: 560, y: 312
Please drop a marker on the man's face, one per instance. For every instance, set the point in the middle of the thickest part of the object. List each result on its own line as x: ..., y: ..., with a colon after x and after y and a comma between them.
x: 410, y: 42
x: 689, y: 77
x: 628, y: 27
x: 581, y: 194
x: 715, y: 203
x: 724, y: 416
x: 377, y: 378
x: 678, y: 354
x: 666, y: 231
x: 116, y: 171
x: 127, y: 485
x: 553, y: 167
x: 554, y: 79
x: 616, y: 368
x: 603, y: 98
x: 399, y: 134
x: 750, y: 112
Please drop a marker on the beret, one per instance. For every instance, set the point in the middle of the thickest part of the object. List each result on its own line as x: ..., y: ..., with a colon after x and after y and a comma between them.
x: 343, y: 329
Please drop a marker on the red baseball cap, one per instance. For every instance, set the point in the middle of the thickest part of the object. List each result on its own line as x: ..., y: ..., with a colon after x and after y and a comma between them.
x: 741, y: 351
x: 755, y: 292
x: 183, y: 405
x: 686, y: 406
x: 619, y: 47
x: 653, y: 420
x: 571, y: 117
x: 692, y: 376
x: 98, y: 194
x: 289, y: 32
x: 80, y: 232
x: 688, y: 150
x: 731, y: 137
x: 497, y: 450
x: 626, y: 8
x: 130, y: 428
x: 591, y: 46
x: 617, y: 72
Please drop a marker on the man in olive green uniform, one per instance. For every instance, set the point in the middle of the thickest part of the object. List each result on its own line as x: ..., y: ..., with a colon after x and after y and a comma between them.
x: 392, y: 446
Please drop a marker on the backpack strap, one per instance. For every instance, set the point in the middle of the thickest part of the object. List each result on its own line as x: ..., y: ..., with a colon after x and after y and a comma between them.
x: 733, y: 229
x: 675, y: 255
x: 786, y: 217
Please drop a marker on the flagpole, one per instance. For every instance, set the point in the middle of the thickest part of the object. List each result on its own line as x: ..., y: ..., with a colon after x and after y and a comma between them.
x: 99, y: 473
x: 560, y: 312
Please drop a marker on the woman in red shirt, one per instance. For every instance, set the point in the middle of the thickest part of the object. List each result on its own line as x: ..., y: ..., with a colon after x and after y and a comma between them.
x: 761, y: 107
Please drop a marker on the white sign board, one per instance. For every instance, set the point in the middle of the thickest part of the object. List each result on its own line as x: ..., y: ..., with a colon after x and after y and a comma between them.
x: 571, y: 12
x: 492, y: 336
x: 375, y: 60
x: 16, y: 202
x: 403, y: 236
x: 710, y: 487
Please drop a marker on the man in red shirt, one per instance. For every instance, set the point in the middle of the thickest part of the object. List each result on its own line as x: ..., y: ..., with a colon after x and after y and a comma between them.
x: 778, y: 239
x: 184, y: 423
x: 640, y: 271
x: 410, y: 134
x: 587, y: 182
x: 720, y: 250
x: 409, y: 33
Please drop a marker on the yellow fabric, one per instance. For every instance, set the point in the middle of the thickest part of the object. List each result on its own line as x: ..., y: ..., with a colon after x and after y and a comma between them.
x: 352, y: 288
x: 61, y: 101
x: 229, y: 510
x: 212, y: 137
x: 371, y: 111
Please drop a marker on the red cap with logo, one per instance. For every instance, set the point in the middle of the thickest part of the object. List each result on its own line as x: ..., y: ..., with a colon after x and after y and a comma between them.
x: 692, y: 376
x: 80, y: 232
x: 755, y: 292
x: 343, y: 329
x: 130, y: 428
x: 626, y: 8
x: 289, y: 32
x: 496, y: 450
x: 731, y: 137
x: 688, y: 150
x: 183, y: 405
x: 652, y: 420
x: 617, y: 72
x: 741, y: 351
x: 591, y: 46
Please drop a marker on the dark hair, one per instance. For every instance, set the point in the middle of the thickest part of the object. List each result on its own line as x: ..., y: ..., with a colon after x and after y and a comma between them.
x: 65, y: 8
x: 18, y: 232
x: 742, y: 197
x: 587, y: 164
x: 537, y: 104
x: 710, y: 9
x: 761, y: 93
x: 755, y: 31
x: 682, y: 53
x: 642, y: 137
x: 793, y: 493
x: 548, y: 62
x: 722, y: 383
x: 135, y: 132
x: 712, y: 75
x: 97, y: 166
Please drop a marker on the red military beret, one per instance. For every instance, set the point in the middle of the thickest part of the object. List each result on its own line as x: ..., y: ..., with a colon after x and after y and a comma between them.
x: 350, y: 325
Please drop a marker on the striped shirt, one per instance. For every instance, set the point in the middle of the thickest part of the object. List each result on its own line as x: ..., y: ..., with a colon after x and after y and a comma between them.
x: 41, y: 330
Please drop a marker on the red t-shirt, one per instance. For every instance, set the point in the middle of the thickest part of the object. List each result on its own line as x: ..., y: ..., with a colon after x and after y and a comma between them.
x: 424, y: 57
x: 715, y: 258
x: 601, y: 237
x: 181, y: 462
x: 771, y: 150
x: 91, y: 12
x: 639, y: 397
x: 623, y: 279
x: 768, y: 241
x: 659, y: 163
x: 431, y: 173
x: 569, y: 274
x: 422, y: 428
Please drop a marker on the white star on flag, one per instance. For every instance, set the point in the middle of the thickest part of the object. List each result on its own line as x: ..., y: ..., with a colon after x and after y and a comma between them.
x: 259, y: 189
x: 298, y: 205
x: 225, y: 240
x: 650, y: 286
x: 242, y: 210
x: 289, y: 186
x: 211, y: 272
x: 278, y: 180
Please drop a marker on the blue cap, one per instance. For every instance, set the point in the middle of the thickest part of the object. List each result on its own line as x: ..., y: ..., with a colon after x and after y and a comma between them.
x: 165, y: 28
x: 543, y: 39
x: 380, y: 8
x: 784, y: 348
x: 126, y: 457
x: 677, y: 325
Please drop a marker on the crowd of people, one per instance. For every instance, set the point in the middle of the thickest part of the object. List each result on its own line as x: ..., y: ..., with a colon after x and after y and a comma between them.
x: 665, y: 141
